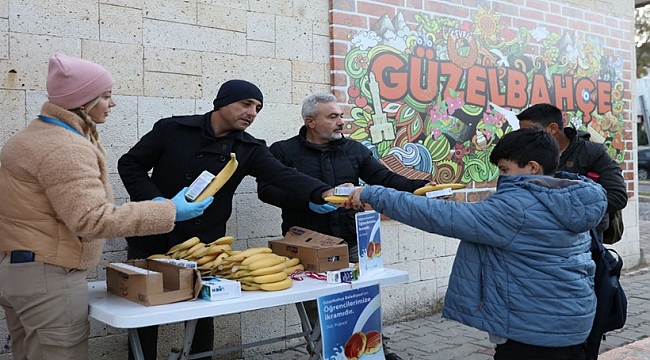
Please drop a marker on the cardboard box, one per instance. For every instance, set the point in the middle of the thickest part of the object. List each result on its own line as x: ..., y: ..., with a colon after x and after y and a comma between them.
x: 317, y: 252
x: 151, y: 282
x: 215, y: 288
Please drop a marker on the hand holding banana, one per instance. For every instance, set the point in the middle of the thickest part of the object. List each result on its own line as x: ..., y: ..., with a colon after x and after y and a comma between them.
x: 222, y: 177
x: 188, y: 210
x: 354, y: 199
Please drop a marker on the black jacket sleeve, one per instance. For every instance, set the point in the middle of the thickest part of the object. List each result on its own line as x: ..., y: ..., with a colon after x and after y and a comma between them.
x: 611, y: 179
x: 267, y: 169
x: 274, y: 195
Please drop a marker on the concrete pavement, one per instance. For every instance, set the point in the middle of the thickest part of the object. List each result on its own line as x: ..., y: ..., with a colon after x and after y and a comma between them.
x: 434, y: 338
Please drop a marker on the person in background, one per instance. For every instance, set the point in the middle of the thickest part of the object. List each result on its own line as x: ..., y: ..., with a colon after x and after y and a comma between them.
x: 177, y: 150
x: 523, y: 270
x: 320, y: 151
x: 57, y: 208
x: 582, y: 156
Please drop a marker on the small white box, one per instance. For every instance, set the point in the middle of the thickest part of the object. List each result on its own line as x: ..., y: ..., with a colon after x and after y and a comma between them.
x: 340, y: 276
x: 214, y: 288
x: 343, y: 190
x: 198, y: 185
x: 442, y: 193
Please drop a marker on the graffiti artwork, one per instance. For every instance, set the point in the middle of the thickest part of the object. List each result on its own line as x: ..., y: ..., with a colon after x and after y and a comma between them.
x: 438, y: 95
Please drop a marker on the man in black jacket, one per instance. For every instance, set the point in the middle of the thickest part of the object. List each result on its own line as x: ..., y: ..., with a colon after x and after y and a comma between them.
x: 177, y: 150
x: 580, y: 155
x: 321, y: 151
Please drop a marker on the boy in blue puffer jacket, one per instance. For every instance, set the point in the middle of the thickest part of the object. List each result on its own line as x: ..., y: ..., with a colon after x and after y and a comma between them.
x: 523, y: 271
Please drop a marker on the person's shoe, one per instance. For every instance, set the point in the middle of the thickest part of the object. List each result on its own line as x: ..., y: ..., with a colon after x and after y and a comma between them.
x: 393, y: 356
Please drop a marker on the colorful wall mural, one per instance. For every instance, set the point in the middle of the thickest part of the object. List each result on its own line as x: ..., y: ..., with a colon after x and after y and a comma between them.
x: 436, y: 92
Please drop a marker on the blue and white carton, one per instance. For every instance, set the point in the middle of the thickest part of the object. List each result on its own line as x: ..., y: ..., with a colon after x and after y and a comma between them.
x: 214, y: 288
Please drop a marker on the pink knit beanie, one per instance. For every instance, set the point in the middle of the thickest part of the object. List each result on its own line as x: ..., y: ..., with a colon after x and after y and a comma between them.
x: 73, y: 82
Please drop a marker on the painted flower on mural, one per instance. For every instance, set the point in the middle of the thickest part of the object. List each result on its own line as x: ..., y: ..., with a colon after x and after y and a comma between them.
x: 491, y: 124
x: 436, y: 114
x: 441, y: 119
x: 453, y: 104
x: 487, y: 24
x: 361, y: 61
x: 550, y: 56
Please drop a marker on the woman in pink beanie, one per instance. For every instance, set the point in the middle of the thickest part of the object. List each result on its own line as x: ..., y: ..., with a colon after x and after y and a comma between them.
x: 56, y: 210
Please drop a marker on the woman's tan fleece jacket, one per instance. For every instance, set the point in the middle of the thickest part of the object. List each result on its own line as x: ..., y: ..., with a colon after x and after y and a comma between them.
x: 56, y: 199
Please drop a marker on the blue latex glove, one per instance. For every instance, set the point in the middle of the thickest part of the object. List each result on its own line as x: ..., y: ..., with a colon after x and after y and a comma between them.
x: 187, y: 210
x: 322, y: 208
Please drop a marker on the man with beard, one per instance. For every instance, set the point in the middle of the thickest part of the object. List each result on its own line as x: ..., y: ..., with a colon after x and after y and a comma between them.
x: 321, y: 151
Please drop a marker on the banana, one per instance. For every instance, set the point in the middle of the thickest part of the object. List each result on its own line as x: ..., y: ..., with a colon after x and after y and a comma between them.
x: 248, y: 252
x: 336, y: 199
x: 290, y: 270
x: 249, y: 288
x: 217, y: 249
x: 221, y: 178
x: 180, y: 254
x: 238, y: 274
x: 268, y: 270
x: 205, y: 268
x: 263, y: 263
x: 159, y: 256
x: 205, y: 259
x: 425, y: 189
x: 219, y: 259
x: 279, y: 285
x: 225, y: 266
x: 256, y: 257
x: 265, y: 279
x: 291, y: 262
x: 196, y: 251
x: 225, y: 240
x: 184, y: 245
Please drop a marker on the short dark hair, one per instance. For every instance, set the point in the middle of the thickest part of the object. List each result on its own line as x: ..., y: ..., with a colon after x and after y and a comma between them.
x: 543, y: 114
x: 528, y: 144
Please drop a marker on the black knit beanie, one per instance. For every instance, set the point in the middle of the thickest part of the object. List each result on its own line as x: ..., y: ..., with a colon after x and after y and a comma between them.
x: 235, y: 90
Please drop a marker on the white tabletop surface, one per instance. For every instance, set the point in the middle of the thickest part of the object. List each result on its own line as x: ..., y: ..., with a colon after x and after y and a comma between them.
x: 122, y: 313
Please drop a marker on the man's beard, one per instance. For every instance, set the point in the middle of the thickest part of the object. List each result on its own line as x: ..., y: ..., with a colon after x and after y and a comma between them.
x: 331, y: 136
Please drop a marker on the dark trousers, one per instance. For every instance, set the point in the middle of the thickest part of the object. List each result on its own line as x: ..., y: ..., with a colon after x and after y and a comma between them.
x: 515, y: 350
x: 203, y: 336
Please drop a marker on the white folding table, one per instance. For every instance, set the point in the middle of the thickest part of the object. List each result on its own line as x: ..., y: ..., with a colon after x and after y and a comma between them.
x: 122, y: 313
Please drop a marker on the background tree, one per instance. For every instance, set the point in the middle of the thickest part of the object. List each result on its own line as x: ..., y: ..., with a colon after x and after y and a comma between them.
x: 642, y: 38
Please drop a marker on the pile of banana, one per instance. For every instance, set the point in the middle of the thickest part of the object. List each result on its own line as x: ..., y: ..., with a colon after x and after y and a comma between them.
x: 259, y: 268
x: 256, y: 268
x: 207, y: 256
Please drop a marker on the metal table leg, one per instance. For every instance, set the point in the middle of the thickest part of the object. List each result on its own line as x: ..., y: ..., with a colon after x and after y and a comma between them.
x: 136, y: 346
x: 312, y: 335
x: 184, y: 353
